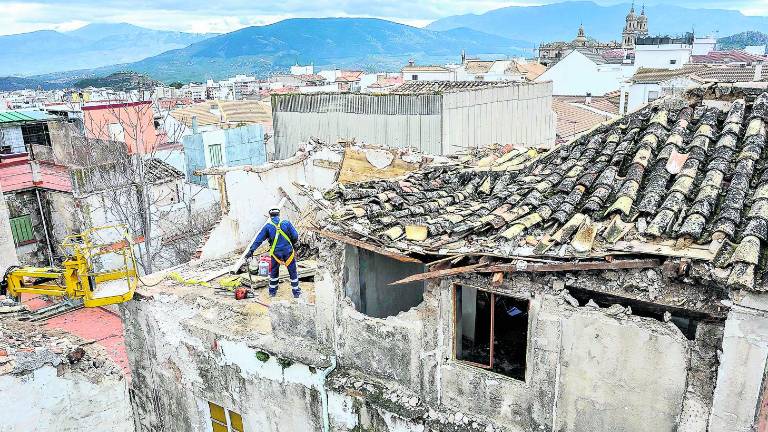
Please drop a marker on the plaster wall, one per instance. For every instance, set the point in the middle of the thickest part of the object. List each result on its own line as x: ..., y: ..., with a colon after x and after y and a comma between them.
x: 67, y: 403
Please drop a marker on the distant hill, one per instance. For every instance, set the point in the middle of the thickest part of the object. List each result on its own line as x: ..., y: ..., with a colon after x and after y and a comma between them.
x: 121, y: 81
x: 560, y: 21
x: 16, y: 83
x: 88, y: 47
x: 363, y: 43
x: 742, y: 40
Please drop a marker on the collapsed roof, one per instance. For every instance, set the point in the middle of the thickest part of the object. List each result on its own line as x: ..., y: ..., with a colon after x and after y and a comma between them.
x: 681, y: 178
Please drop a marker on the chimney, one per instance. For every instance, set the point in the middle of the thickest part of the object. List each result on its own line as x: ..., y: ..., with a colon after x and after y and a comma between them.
x: 758, y: 71
x: 411, y: 62
x: 588, y: 101
x: 194, y: 124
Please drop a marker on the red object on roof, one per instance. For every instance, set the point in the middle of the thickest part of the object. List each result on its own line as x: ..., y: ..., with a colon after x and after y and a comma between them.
x: 349, y: 76
x: 17, y: 172
x: 91, y: 324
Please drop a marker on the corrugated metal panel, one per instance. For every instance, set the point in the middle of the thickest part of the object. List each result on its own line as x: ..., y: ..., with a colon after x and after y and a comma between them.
x: 23, y: 116
x: 422, y: 104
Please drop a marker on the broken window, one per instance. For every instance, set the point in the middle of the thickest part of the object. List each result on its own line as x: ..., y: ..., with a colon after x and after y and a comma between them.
x: 491, y: 331
x: 36, y: 135
x: 225, y: 420
x: 368, y: 276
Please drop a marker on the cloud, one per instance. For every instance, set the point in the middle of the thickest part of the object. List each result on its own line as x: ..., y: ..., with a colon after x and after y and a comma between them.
x: 228, y: 15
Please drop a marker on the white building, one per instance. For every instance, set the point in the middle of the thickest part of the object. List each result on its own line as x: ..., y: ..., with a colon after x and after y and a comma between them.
x: 582, y: 72
x: 704, y: 45
x: 664, y: 52
x: 302, y: 70
x: 414, y: 72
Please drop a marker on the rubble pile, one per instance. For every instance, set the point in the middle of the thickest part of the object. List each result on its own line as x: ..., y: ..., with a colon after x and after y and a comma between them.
x: 27, y: 346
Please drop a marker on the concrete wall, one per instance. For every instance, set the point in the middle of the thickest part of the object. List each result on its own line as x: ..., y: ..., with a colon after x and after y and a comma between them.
x: 45, y: 401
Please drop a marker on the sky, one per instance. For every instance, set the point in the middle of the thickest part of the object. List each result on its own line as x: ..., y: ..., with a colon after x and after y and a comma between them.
x: 204, y: 16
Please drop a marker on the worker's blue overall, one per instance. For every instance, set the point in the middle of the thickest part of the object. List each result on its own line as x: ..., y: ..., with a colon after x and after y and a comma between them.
x: 282, y: 236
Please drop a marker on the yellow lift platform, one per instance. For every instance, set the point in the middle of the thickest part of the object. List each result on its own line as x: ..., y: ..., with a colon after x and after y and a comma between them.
x: 79, y: 277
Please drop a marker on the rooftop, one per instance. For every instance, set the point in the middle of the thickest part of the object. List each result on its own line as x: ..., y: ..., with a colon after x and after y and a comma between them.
x: 428, y: 87
x: 725, y: 57
x: 159, y: 171
x: 683, y: 178
x: 222, y: 112
x: 699, y: 72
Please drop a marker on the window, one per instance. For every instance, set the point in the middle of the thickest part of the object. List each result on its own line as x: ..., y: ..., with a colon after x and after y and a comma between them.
x: 368, y: 276
x: 414, y: 77
x: 491, y: 331
x: 21, y: 229
x: 653, y: 95
x: 36, y: 134
x: 673, y: 62
x: 214, y: 153
x: 116, y: 132
x: 225, y: 420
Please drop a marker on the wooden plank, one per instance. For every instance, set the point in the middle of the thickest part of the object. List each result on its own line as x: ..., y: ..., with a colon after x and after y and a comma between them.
x: 523, y: 266
x: 664, y: 249
x: 437, y: 274
x: 367, y: 246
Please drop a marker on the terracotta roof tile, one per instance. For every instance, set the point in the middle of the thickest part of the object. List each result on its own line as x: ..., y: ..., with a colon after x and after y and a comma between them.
x: 681, y: 178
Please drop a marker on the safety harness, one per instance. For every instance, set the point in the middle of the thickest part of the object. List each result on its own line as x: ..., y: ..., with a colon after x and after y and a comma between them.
x: 279, y: 233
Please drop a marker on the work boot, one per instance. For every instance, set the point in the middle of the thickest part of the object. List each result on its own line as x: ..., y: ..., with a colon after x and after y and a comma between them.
x: 272, y: 293
x: 296, y: 293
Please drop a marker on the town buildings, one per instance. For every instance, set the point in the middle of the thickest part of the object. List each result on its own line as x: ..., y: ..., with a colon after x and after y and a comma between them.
x: 35, y: 184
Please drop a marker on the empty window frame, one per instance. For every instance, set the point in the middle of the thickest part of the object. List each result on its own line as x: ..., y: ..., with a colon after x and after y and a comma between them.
x: 491, y: 331
x: 223, y: 420
x: 36, y: 134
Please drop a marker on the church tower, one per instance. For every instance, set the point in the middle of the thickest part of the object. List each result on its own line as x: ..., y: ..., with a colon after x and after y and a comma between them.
x: 629, y: 36
x: 642, y: 23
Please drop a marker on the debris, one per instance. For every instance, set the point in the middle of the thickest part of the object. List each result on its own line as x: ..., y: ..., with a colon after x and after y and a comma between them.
x: 591, y: 303
x: 76, y: 355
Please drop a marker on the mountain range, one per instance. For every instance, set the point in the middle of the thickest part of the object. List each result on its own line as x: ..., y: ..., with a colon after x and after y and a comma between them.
x: 88, y: 47
x: 560, y: 21
x: 360, y: 43
x: 50, y: 58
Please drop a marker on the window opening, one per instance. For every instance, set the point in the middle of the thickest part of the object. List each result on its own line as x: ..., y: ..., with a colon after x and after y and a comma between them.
x: 223, y: 420
x: 686, y: 321
x: 214, y: 151
x: 491, y: 331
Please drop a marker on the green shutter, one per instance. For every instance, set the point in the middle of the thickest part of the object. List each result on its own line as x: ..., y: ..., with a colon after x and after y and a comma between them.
x: 214, y: 151
x: 21, y: 228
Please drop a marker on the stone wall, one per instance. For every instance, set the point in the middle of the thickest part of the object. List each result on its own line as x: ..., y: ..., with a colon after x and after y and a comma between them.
x: 588, y: 368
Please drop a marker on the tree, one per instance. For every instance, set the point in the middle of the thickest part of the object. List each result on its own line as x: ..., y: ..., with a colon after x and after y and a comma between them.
x: 120, y: 176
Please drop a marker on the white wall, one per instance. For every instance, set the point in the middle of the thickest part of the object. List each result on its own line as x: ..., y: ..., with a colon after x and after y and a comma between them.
x: 662, y: 56
x: 576, y: 75
x: 44, y: 402
x: 251, y: 196
x: 704, y: 45
x: 429, y: 76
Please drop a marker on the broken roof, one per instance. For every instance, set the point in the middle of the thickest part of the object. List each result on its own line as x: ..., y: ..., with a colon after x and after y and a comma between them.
x: 681, y: 178
x: 159, y: 171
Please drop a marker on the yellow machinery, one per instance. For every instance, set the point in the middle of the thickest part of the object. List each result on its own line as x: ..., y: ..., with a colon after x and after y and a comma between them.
x: 79, y: 279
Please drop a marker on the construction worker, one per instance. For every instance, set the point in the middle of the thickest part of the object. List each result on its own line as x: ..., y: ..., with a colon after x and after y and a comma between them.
x: 282, y: 237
